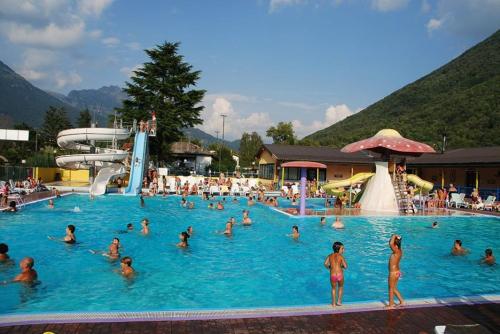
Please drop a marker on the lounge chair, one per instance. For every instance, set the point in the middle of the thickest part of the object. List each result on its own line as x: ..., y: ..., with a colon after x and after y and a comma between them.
x: 458, y: 200
x: 488, y: 203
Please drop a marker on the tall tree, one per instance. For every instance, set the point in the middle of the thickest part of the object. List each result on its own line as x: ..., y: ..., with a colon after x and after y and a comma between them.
x: 249, y: 146
x: 163, y: 85
x: 225, y: 155
x: 282, y: 133
x: 55, y: 120
x: 84, y: 119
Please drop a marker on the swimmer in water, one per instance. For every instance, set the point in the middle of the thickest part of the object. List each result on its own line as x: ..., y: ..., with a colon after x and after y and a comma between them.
x: 232, y: 221
x: 184, y: 236
x: 337, y: 223
x: 12, y: 207
x: 394, y: 270
x: 435, y: 225
x: 28, y: 274
x: 183, y: 202
x: 189, y: 230
x: 211, y: 206
x: 191, y: 205
x: 229, y: 229
x: 51, y: 204
x: 295, y: 233
x: 250, y: 201
x: 336, y: 263
x: 126, y: 265
x: 4, y: 249
x: 458, y: 250
x: 322, y: 221
x: 69, y: 238
x: 145, y: 226
x: 142, y: 201
x: 220, y: 206
x: 235, y: 200
x: 488, y: 257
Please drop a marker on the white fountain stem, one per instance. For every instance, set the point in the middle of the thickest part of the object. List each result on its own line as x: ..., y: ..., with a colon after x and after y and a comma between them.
x: 379, y: 194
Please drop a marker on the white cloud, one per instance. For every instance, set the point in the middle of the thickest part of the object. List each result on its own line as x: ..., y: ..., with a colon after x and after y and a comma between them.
x: 110, y: 41
x: 388, y: 5
x: 466, y: 18
x: 129, y: 71
x: 434, y: 24
x: 95, y: 33
x: 33, y: 75
x: 276, y: 4
x: 93, y: 7
x: 51, y: 35
x: 333, y: 114
x: 133, y: 46
x: 35, y: 58
x: 235, y: 123
x: 66, y: 79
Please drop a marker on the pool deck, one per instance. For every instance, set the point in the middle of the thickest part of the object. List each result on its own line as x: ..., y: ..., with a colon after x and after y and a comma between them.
x: 404, y: 320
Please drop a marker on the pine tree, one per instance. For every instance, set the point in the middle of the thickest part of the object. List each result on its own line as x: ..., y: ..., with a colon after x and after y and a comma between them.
x: 164, y: 85
x: 84, y: 119
x: 55, y: 120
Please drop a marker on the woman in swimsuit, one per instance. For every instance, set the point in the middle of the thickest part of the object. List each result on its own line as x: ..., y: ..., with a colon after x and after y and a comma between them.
x: 394, y: 271
x: 335, y: 262
x: 184, y: 240
x: 69, y: 238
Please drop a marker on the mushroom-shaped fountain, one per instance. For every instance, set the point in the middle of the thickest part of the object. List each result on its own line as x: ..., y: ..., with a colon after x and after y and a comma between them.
x: 379, y: 195
x: 303, y: 165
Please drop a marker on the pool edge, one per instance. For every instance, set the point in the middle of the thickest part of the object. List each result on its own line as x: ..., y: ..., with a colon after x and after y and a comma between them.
x: 183, y: 315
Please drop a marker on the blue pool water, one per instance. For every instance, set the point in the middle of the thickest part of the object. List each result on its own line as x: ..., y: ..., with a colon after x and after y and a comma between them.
x: 258, y: 267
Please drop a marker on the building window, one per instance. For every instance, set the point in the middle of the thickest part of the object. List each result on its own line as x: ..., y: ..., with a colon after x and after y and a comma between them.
x: 292, y: 174
x: 266, y: 171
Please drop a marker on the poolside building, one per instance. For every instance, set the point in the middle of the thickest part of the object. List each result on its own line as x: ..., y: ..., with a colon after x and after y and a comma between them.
x: 191, y: 156
x: 466, y: 168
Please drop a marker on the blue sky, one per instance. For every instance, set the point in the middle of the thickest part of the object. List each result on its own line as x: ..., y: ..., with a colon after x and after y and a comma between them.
x: 312, y: 62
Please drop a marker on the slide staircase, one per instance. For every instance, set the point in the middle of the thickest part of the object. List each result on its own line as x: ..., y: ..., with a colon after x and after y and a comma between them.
x: 400, y: 189
x: 138, y: 164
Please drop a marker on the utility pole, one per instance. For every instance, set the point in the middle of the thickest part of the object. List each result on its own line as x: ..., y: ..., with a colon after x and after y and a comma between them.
x: 218, y: 144
x: 223, y: 122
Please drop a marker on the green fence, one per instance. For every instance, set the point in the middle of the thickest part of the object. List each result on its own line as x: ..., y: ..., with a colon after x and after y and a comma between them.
x: 15, y: 173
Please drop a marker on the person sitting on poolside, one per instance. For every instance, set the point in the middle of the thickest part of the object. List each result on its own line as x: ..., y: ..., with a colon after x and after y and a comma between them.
x: 126, y: 265
x: 189, y: 230
x: 322, y: 221
x: 458, y: 249
x: 488, y: 257
x: 335, y: 262
x: 220, y: 206
x: 394, y: 270
x: 12, y: 207
x: 184, y: 240
x: 145, y: 226
x: 295, y: 232
x: 51, y: 204
x: 338, y: 223
x: 4, y: 249
x: 28, y: 274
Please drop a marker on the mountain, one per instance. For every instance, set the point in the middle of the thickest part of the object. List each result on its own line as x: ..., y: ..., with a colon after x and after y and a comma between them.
x: 207, y: 139
x: 20, y: 101
x: 101, y: 102
x: 460, y: 100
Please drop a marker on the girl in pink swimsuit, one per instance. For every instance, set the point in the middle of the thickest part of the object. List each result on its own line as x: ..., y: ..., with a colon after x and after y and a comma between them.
x: 335, y: 262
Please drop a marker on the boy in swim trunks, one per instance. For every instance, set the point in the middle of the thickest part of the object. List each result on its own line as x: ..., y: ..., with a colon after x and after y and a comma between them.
x: 114, y: 251
x: 28, y: 274
x: 145, y: 226
x: 126, y: 265
x: 295, y: 232
x: 488, y: 257
x: 3, y: 252
x: 335, y: 262
x: 394, y: 271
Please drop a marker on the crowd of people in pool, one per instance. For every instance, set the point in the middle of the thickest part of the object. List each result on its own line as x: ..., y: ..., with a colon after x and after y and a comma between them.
x: 334, y: 262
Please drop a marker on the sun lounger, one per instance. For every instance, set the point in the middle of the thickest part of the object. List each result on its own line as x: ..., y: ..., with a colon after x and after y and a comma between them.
x: 488, y: 203
x: 458, y: 200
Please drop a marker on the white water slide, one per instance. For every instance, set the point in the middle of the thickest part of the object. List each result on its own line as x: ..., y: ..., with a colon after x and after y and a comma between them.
x: 110, y: 161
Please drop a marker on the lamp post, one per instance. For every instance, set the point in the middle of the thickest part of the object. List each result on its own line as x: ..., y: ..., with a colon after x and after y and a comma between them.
x: 218, y: 144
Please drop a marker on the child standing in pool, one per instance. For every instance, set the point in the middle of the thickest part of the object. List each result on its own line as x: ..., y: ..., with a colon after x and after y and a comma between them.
x: 335, y: 262
x: 126, y: 265
x: 394, y: 271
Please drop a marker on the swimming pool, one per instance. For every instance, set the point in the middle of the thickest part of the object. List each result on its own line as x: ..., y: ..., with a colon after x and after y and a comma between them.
x: 258, y: 267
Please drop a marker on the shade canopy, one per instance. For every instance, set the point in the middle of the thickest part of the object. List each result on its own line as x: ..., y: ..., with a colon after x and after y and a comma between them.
x: 388, y: 140
x: 305, y: 164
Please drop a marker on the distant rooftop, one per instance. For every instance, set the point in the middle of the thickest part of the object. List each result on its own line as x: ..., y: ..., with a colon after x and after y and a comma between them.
x: 312, y: 153
x: 185, y: 147
x: 462, y: 156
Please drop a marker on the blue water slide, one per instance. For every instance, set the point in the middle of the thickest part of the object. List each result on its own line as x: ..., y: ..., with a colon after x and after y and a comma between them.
x: 137, y: 164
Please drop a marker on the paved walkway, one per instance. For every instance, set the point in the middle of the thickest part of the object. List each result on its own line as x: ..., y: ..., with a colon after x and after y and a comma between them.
x: 418, y: 320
